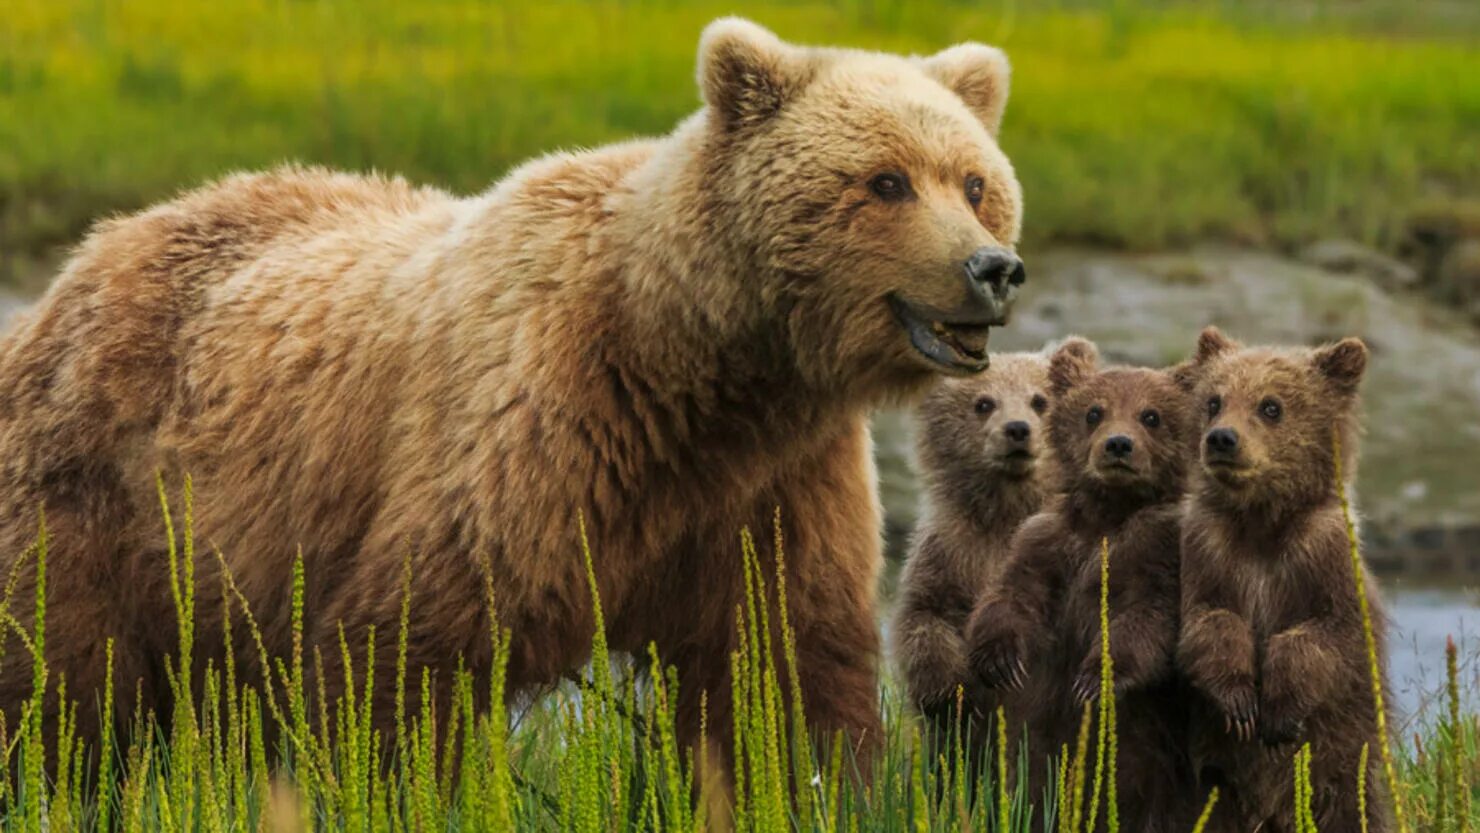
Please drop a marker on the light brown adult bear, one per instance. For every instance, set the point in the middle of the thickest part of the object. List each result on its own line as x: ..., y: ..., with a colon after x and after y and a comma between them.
x: 673, y: 337
x: 1272, y: 633
x: 983, y: 464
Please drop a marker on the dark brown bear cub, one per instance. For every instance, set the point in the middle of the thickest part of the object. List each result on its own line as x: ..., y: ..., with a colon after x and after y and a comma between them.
x: 1272, y: 636
x: 980, y: 449
x: 1119, y: 436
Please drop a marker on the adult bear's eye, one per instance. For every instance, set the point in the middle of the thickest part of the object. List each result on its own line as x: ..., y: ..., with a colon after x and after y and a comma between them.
x: 1096, y: 413
x: 1215, y: 405
x: 1271, y: 409
x: 975, y: 188
x: 890, y: 187
x: 1150, y: 418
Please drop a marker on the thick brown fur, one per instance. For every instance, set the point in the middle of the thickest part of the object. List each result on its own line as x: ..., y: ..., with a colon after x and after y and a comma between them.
x: 1272, y: 637
x: 984, y: 465
x: 671, y: 337
x: 1037, y: 627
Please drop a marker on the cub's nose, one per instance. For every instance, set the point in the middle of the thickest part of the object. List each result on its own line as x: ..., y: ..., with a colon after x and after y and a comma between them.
x: 1120, y: 446
x: 992, y: 269
x: 1017, y: 431
x: 1222, y: 441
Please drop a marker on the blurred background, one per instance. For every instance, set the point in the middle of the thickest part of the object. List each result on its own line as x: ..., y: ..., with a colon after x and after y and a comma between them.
x: 1291, y: 171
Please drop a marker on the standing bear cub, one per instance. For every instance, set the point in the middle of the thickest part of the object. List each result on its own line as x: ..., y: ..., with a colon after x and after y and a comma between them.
x: 1272, y: 633
x: 1119, y: 436
x: 670, y: 338
x: 982, y: 459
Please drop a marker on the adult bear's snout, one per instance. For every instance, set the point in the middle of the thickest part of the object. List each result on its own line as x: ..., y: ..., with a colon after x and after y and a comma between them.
x: 993, y: 275
x: 995, y: 269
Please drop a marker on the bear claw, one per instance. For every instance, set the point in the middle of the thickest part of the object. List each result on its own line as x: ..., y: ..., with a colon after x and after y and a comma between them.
x: 1000, y: 669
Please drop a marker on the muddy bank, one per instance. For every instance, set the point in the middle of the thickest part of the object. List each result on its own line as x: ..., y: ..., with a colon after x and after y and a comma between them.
x: 9, y: 306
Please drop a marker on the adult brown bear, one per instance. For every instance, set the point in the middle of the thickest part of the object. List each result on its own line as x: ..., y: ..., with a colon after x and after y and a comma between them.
x: 671, y: 336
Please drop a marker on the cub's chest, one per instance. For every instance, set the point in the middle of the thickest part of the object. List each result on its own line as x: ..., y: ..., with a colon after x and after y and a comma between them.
x: 1082, y: 582
x: 1265, y: 589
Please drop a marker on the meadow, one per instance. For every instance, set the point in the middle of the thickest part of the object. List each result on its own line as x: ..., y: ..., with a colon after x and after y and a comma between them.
x: 1133, y: 125
x: 597, y: 756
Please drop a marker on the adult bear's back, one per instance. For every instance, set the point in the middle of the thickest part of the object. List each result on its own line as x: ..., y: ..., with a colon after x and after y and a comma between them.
x: 97, y: 394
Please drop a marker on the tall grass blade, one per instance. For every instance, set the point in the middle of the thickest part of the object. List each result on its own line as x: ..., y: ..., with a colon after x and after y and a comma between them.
x: 1384, y: 746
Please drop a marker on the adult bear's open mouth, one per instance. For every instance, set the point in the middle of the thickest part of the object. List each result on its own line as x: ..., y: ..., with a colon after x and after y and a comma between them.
x: 956, y: 342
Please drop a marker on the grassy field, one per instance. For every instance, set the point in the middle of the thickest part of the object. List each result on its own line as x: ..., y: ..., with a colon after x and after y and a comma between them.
x: 1131, y: 125
x: 600, y: 755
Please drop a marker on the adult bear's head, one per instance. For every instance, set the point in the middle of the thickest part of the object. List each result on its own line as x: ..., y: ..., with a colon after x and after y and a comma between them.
x: 867, y: 198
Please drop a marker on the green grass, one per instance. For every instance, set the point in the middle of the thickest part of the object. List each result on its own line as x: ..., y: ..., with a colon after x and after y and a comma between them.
x: 599, y: 754
x: 1136, y: 125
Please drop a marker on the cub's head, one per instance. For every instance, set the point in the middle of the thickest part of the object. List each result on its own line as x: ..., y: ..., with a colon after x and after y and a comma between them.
x: 1268, y: 416
x: 869, y: 197
x: 1117, y: 431
x: 987, y: 427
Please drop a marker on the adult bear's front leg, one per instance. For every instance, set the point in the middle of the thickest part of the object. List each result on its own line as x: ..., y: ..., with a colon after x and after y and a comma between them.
x: 831, y: 539
x: 831, y: 543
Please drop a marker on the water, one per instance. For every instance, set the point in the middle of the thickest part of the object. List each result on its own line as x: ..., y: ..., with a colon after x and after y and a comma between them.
x: 1422, y: 616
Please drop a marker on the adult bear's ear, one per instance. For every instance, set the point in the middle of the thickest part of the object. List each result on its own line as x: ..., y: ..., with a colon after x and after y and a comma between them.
x: 1074, y: 361
x: 1343, y: 364
x: 746, y: 73
x: 979, y: 74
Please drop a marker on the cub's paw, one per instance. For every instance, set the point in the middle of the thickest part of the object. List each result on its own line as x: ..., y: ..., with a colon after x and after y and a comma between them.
x: 1279, y: 726
x: 942, y: 706
x: 1240, y: 707
x: 1086, y: 685
x: 998, y: 661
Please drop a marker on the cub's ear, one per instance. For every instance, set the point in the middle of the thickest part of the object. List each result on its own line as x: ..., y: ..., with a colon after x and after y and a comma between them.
x: 1211, y: 343
x: 1343, y: 363
x: 977, y: 73
x: 1186, y: 374
x: 746, y: 73
x: 1074, y: 361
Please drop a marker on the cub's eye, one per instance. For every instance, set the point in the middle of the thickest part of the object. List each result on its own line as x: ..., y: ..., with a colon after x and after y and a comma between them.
x: 1271, y: 409
x: 1150, y: 419
x: 986, y: 405
x: 1096, y: 413
x: 1039, y: 403
x: 1215, y: 405
x: 975, y: 188
x: 890, y: 186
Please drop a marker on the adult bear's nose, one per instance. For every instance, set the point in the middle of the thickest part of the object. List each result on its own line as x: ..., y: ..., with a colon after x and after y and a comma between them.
x: 992, y: 270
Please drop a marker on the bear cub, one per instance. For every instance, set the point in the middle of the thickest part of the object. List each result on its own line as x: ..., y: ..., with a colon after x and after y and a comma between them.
x: 1119, y: 436
x: 982, y: 459
x: 1272, y: 637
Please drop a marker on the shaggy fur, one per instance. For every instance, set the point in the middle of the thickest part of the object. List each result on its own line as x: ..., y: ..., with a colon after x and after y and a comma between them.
x: 1272, y: 634
x: 1037, y: 627
x: 672, y: 337
x: 982, y: 479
